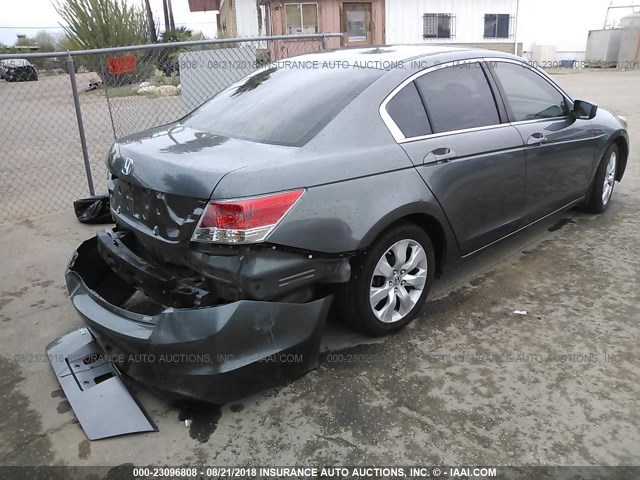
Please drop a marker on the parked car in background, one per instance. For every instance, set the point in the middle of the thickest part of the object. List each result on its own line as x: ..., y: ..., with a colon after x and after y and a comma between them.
x: 18, y: 70
x: 357, y: 181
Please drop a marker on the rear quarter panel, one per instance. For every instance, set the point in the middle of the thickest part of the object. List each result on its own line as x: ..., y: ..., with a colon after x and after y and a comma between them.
x: 358, y: 180
x: 347, y: 216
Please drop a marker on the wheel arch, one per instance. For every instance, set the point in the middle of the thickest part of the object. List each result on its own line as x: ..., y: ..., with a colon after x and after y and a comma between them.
x: 444, y: 244
x: 436, y: 233
x: 623, y: 154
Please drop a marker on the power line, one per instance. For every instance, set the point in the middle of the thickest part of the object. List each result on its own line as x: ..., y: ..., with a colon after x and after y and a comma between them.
x: 25, y: 28
x: 59, y: 27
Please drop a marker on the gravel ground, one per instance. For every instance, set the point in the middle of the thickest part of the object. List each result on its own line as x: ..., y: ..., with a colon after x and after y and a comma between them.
x: 42, y: 168
x: 469, y: 382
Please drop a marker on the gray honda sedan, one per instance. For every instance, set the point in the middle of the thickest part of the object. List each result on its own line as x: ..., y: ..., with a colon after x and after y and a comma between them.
x: 351, y: 177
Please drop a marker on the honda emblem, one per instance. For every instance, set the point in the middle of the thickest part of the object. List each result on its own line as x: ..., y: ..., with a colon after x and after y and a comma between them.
x: 128, y: 165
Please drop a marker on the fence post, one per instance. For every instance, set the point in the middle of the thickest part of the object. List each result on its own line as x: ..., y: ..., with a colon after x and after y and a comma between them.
x: 83, y: 140
x: 324, y: 42
x: 105, y: 85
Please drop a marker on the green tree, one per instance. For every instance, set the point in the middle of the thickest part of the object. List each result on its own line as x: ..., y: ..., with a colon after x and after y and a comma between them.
x: 91, y: 24
x: 47, y: 42
x: 43, y: 41
x: 181, y: 34
x: 167, y: 60
x: 102, y: 23
x: 66, y: 43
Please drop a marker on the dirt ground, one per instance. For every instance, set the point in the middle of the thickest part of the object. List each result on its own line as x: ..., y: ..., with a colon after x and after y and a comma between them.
x: 42, y: 168
x: 468, y: 382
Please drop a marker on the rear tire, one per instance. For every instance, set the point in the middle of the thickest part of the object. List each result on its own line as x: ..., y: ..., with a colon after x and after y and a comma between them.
x: 389, y: 282
x: 603, y: 181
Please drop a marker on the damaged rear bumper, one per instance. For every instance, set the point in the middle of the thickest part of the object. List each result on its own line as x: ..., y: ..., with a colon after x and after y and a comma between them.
x: 99, y: 398
x: 213, y: 353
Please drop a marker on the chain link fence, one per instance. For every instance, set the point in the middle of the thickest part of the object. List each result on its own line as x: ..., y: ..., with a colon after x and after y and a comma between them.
x: 61, y: 111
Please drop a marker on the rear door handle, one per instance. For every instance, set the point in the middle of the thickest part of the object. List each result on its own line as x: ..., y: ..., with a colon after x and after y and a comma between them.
x: 439, y: 155
x: 536, y: 138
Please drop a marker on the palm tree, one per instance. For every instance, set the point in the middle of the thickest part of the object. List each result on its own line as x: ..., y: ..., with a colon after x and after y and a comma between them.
x: 172, y: 23
x: 166, y: 15
x: 167, y: 8
x: 153, y: 36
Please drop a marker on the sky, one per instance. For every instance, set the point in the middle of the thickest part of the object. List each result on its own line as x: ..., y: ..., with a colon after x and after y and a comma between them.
x: 30, y: 16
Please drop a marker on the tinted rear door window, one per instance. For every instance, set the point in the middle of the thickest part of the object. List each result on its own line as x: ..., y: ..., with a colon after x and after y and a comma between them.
x: 285, y: 106
x: 457, y: 98
x: 408, y: 113
x: 529, y: 95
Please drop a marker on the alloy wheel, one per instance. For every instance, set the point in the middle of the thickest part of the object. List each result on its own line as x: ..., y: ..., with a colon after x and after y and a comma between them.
x: 609, y: 178
x: 398, y: 281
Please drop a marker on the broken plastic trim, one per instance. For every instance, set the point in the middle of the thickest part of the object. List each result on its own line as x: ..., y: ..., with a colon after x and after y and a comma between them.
x: 215, y: 353
x: 93, y: 210
x: 92, y: 384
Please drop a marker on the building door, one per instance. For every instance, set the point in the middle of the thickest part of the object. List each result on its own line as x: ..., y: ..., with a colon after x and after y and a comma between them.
x: 357, y: 24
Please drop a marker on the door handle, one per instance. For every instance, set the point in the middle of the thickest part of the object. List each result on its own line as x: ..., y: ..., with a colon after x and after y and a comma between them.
x: 536, y: 139
x: 439, y: 155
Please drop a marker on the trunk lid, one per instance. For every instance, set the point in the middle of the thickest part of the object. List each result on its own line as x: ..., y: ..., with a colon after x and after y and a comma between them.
x: 161, y: 179
x: 183, y: 161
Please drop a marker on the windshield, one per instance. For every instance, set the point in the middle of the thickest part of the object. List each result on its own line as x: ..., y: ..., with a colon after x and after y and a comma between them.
x: 281, y: 106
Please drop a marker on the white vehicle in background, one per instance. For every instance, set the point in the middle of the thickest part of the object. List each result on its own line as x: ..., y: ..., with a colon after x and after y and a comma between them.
x: 18, y: 70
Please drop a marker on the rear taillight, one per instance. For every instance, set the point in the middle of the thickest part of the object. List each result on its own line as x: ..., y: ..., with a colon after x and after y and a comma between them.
x: 244, y: 220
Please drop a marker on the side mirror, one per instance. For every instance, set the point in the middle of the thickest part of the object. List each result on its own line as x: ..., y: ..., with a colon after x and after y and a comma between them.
x: 584, y: 110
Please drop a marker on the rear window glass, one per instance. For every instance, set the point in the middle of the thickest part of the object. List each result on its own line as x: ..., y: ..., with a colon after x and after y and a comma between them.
x: 458, y: 98
x: 408, y: 113
x: 284, y: 106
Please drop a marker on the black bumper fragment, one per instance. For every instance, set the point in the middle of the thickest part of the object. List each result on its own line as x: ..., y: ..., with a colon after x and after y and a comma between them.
x: 155, y: 281
x: 99, y: 398
x: 216, y: 354
x: 93, y: 209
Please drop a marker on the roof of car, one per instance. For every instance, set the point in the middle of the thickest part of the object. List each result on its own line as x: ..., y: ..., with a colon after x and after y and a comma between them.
x: 389, y: 56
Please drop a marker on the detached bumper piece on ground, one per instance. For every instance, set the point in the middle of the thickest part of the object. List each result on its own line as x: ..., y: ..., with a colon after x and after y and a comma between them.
x: 212, y: 353
x: 100, y: 399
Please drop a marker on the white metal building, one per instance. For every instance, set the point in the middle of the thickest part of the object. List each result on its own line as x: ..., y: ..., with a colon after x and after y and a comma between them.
x: 240, y: 18
x: 561, y: 24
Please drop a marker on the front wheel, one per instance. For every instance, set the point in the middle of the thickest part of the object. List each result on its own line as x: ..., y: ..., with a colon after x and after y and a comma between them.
x: 604, y: 181
x: 390, y: 282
